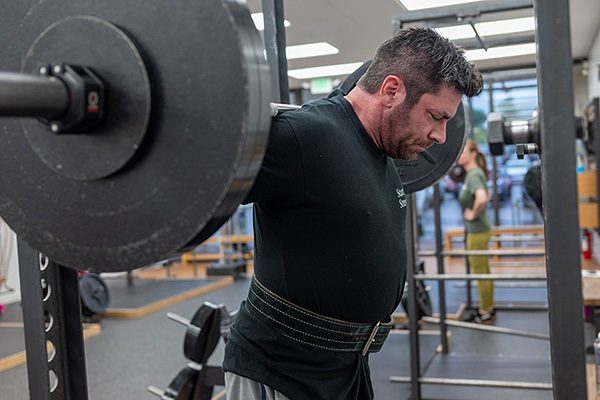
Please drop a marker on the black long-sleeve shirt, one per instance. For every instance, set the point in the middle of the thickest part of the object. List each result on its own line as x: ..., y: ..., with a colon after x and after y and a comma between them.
x: 329, y: 236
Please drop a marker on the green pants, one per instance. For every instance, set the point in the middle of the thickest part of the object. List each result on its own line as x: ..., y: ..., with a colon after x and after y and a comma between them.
x: 480, y: 265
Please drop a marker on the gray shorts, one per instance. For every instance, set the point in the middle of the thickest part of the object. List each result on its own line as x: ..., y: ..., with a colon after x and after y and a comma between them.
x: 241, y: 388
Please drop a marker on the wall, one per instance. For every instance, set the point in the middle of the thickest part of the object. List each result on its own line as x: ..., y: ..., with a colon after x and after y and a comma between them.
x: 581, y: 96
x: 9, y: 265
x: 594, y: 69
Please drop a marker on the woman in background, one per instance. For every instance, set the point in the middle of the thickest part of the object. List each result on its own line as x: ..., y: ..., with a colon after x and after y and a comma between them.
x: 473, y: 198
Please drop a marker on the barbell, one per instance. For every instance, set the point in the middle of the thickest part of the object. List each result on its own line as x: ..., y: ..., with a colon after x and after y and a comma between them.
x: 127, y: 138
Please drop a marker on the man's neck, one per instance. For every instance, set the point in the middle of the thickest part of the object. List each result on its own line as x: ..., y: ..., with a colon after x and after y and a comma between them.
x: 366, y: 108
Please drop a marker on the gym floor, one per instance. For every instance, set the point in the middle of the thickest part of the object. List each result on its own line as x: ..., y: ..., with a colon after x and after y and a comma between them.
x: 131, y: 354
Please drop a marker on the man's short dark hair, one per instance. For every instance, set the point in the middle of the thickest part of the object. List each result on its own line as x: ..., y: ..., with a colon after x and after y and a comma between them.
x: 424, y: 60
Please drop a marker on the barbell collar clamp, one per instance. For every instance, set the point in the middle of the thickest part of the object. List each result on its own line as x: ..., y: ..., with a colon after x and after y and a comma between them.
x: 86, y: 94
x: 527, y: 148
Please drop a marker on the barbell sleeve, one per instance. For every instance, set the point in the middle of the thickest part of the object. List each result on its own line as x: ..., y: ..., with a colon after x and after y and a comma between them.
x: 28, y: 95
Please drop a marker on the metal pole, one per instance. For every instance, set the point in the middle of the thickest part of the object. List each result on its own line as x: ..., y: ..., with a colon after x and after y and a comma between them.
x: 486, y: 328
x: 33, y: 323
x: 275, y: 46
x: 499, y: 252
x: 559, y: 188
x: 415, y: 361
x: 479, y: 277
x: 495, y: 199
x: 478, y: 383
x: 440, y: 266
x: 52, y: 314
x: 28, y: 95
x: 468, y: 271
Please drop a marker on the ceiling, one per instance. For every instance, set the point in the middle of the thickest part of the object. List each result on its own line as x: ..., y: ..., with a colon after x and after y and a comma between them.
x: 357, y: 27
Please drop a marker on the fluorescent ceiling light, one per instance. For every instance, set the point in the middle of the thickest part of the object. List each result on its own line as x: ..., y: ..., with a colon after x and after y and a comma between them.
x: 326, y: 70
x: 310, y: 50
x: 456, y: 32
x: 259, y: 21
x: 488, y: 28
x: 501, y: 51
x: 505, y: 26
x: 422, y: 4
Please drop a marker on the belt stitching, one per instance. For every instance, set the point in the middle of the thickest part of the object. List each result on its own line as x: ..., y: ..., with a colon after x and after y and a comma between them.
x: 304, y: 322
x: 304, y: 312
x: 304, y: 333
x: 317, y: 346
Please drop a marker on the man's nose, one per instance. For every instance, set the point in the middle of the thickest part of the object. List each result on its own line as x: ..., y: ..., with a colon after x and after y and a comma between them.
x: 438, y: 133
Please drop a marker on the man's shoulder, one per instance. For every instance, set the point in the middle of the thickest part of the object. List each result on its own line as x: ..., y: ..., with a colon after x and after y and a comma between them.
x: 313, y: 119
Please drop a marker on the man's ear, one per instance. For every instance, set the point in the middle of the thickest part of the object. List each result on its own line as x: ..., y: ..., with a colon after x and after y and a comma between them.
x: 392, y: 91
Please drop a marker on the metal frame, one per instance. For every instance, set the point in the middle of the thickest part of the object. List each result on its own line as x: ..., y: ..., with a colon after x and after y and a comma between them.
x: 440, y: 266
x: 275, y: 48
x: 476, y: 383
x: 411, y: 262
x: 562, y: 251
x: 555, y: 87
x: 478, y: 277
x: 450, y: 13
x: 486, y: 328
x: 52, y: 313
x: 494, y: 252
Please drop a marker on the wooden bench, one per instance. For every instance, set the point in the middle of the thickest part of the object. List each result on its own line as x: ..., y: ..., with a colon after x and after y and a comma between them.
x: 236, y: 269
x: 224, y: 243
x: 499, y: 234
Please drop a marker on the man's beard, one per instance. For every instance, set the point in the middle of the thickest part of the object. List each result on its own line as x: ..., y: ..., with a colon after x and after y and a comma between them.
x: 405, y: 148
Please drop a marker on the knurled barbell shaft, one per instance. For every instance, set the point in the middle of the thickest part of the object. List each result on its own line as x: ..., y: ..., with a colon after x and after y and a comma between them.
x: 29, y: 95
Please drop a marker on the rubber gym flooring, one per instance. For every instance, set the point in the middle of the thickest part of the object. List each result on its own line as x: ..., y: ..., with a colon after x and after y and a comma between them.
x: 131, y: 354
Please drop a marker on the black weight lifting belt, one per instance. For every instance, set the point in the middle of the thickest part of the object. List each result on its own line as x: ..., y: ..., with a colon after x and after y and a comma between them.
x: 313, y: 329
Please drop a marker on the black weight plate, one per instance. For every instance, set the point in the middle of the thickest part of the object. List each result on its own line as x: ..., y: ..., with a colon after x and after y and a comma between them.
x: 201, y: 152
x: 94, y: 294
x: 424, y: 307
x: 109, y: 147
x: 259, y: 89
x: 353, y: 78
x: 182, y: 387
x: 202, y: 336
x: 432, y: 164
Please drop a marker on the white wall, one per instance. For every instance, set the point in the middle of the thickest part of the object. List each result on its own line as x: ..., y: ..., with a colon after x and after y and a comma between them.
x: 594, y: 69
x: 580, y: 89
x: 9, y: 265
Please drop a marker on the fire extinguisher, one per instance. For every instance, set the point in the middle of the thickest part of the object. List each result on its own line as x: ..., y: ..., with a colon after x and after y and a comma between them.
x: 586, y: 244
